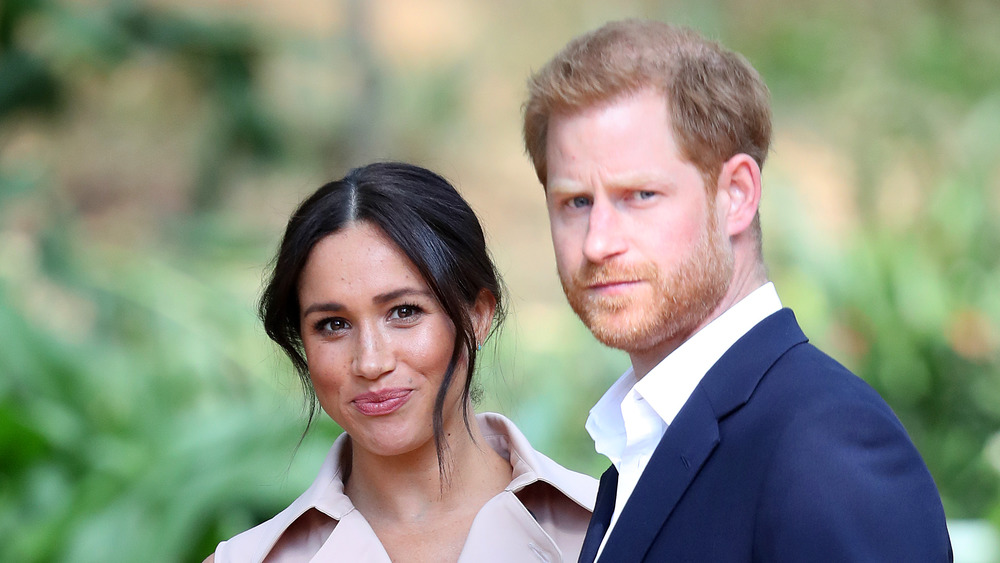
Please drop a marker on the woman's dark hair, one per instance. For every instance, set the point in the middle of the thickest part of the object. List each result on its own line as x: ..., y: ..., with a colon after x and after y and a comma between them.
x: 435, y: 228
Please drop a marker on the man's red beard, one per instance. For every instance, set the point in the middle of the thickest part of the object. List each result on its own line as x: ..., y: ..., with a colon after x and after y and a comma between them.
x: 676, y: 303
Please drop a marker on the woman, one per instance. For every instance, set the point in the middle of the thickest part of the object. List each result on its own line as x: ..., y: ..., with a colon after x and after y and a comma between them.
x: 381, y: 295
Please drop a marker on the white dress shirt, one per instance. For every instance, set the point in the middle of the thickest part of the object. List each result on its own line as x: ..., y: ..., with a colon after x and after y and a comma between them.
x: 629, y: 420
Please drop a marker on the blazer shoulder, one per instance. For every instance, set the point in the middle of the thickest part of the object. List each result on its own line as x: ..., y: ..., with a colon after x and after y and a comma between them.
x: 844, y: 480
x: 812, y: 378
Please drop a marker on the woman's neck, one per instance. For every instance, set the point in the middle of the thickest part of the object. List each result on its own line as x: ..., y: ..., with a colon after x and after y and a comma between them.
x: 410, y: 488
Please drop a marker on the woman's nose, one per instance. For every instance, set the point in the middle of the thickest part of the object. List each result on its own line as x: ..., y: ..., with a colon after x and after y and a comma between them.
x: 373, y: 354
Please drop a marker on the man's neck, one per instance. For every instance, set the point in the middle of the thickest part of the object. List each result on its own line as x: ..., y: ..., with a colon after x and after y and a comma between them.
x: 644, y: 361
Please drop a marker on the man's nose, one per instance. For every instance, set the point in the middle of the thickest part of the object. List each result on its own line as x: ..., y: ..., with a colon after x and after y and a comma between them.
x: 373, y: 354
x: 605, y: 238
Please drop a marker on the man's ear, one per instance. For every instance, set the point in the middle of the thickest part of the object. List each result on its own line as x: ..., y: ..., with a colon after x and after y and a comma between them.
x: 482, y: 314
x: 738, y: 194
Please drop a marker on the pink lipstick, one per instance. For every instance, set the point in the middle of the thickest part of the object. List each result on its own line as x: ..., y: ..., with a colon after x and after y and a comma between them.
x: 378, y: 403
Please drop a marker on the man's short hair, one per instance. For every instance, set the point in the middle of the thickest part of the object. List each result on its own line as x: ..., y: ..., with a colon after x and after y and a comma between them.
x: 718, y: 103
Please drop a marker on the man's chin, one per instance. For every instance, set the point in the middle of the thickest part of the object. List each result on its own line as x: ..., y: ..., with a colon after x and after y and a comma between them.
x: 631, y: 344
x: 620, y: 332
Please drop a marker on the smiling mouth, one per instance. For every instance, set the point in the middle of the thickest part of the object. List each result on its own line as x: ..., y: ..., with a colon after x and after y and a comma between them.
x: 382, y: 402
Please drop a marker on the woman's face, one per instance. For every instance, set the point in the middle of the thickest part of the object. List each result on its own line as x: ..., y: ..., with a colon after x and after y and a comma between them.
x: 377, y: 341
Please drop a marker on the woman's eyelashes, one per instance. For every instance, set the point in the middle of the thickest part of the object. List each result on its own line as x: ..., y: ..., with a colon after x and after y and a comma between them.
x: 331, y: 325
x: 405, y: 314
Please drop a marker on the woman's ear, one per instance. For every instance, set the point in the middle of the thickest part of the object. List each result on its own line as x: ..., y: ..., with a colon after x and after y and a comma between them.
x: 482, y: 314
x: 738, y: 194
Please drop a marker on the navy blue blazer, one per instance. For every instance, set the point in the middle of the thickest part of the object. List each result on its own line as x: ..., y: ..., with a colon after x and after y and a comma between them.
x: 780, y: 454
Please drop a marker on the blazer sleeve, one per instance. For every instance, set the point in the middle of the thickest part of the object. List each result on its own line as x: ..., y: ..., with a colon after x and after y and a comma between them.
x: 847, y: 484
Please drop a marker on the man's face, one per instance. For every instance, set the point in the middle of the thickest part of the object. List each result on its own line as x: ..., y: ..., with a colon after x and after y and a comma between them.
x: 638, y: 246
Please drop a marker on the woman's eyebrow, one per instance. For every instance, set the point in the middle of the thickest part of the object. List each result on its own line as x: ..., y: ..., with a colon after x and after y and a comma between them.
x: 334, y: 307
x: 395, y: 294
x: 329, y: 307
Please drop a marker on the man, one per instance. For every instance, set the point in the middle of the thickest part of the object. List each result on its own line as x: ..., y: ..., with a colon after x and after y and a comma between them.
x: 731, y: 438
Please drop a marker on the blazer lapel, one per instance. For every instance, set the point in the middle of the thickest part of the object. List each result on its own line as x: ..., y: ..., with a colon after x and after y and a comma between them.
x: 604, y: 507
x: 675, y: 462
x: 733, y: 379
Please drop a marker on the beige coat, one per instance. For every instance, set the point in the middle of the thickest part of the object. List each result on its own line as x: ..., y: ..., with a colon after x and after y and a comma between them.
x: 541, y: 515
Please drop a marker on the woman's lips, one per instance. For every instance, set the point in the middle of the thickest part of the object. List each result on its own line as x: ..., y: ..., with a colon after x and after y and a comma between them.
x: 378, y: 403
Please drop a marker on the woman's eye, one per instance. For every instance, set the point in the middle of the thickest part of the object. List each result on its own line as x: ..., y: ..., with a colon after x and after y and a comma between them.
x: 332, y: 325
x: 404, y: 312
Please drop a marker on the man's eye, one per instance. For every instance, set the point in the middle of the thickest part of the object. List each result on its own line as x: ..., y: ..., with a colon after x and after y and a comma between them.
x: 579, y: 201
x: 644, y: 194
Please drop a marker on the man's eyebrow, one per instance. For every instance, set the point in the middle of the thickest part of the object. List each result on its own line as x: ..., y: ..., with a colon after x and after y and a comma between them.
x: 636, y: 180
x: 624, y: 181
x: 564, y: 186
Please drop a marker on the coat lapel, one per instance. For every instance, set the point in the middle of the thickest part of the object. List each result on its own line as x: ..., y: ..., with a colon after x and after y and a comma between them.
x: 675, y: 462
x: 692, y: 437
x: 604, y: 507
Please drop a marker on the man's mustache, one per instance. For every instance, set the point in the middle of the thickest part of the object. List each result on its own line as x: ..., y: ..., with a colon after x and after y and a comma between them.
x: 590, y: 274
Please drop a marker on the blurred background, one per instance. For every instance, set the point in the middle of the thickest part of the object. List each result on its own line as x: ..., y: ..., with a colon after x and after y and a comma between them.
x: 151, y: 152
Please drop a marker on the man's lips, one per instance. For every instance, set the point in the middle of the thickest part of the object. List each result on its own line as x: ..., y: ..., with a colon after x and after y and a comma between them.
x: 612, y: 286
x: 378, y: 403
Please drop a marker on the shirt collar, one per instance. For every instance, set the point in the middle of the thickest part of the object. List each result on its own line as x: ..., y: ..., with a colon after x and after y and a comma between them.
x: 528, y: 467
x: 670, y: 383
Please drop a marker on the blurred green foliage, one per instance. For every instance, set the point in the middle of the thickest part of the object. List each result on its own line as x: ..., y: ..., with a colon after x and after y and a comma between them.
x: 143, y: 415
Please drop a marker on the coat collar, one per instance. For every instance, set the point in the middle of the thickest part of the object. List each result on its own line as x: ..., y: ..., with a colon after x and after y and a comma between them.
x: 326, y: 494
x: 530, y: 466
x: 692, y: 437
